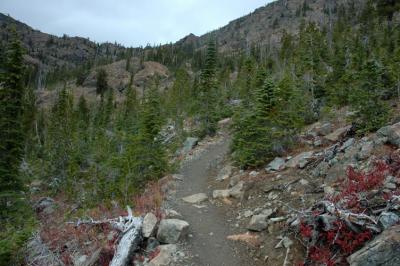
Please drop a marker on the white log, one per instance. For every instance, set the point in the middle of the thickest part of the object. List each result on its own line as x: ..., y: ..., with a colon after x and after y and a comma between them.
x: 129, y: 243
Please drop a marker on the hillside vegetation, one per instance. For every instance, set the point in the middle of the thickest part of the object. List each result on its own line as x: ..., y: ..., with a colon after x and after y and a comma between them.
x: 116, y: 117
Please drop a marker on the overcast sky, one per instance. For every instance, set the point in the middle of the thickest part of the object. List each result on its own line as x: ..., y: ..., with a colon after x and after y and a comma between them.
x: 130, y: 22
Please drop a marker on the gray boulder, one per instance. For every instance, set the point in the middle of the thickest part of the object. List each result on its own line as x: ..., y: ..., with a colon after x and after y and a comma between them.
x: 196, y: 198
x: 301, y: 160
x: 234, y: 180
x: 382, y: 251
x: 278, y: 164
x: 321, y: 169
x: 365, y: 150
x: 189, y: 144
x: 149, y: 224
x: 337, y: 134
x: 164, y: 257
x: 258, y: 223
x: 170, y: 231
x: 392, y: 133
x: 237, y: 191
x: 45, y: 205
x: 324, y: 129
x: 347, y: 144
x: 171, y: 214
x: 388, y: 219
x: 219, y: 194
x: 225, y: 173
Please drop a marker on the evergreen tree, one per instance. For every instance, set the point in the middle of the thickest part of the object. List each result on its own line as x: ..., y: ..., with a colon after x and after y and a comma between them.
x: 16, y: 218
x: 101, y: 82
x: 208, y: 88
x: 11, y: 110
x: 253, y: 136
x: 371, y: 111
x: 144, y: 158
x: 60, y: 133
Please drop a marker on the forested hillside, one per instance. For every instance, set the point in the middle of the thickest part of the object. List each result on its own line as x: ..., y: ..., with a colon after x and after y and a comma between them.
x: 274, y: 72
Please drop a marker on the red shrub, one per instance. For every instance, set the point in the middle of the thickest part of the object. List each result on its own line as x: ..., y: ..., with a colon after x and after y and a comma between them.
x: 150, y: 200
x: 306, y: 230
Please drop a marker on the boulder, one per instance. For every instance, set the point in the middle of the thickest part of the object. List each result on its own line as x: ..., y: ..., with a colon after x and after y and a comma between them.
x: 258, y: 223
x: 392, y: 133
x: 225, y: 173
x: 388, y: 219
x: 234, y: 180
x: 382, y: 251
x: 337, y: 134
x: 196, y: 198
x: 170, y: 231
x: 268, y: 212
x: 45, y: 205
x: 347, y: 144
x: 219, y: 194
x: 237, y: 191
x: 365, y: 150
x: 301, y: 160
x: 149, y: 224
x: 171, y: 214
x: 278, y: 164
x: 321, y: 169
x: 323, y: 130
x: 164, y: 257
x: 189, y: 144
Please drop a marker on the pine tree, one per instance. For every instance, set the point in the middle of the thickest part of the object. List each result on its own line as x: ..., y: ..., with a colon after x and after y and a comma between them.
x: 83, y: 112
x: 253, y: 137
x: 371, y: 111
x: 60, y: 133
x: 11, y: 110
x: 208, y: 88
x: 144, y: 158
x: 16, y: 218
x: 101, y: 82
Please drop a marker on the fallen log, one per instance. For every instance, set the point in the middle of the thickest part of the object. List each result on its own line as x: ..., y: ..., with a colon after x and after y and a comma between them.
x: 130, y: 238
x: 129, y: 243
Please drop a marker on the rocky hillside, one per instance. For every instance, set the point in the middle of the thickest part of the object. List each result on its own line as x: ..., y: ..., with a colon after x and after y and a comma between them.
x: 50, y: 52
x: 266, y: 25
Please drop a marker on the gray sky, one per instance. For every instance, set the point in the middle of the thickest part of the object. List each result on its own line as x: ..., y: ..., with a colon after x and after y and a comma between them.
x: 130, y: 22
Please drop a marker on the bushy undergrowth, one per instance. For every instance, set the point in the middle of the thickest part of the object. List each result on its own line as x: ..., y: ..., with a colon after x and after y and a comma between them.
x: 330, y: 244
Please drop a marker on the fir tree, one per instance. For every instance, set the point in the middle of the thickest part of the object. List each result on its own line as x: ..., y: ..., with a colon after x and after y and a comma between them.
x: 101, y: 82
x: 16, y: 218
x: 252, y: 130
x: 371, y: 111
x: 208, y: 88
x: 11, y: 110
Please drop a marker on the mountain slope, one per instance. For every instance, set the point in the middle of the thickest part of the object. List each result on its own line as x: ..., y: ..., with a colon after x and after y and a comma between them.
x: 266, y: 25
x: 263, y: 27
x: 52, y: 52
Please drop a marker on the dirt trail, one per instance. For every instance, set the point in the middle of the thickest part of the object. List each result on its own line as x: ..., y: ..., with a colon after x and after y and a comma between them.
x: 208, y: 225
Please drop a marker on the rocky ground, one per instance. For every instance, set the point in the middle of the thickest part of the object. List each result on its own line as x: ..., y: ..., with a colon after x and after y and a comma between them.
x: 334, y: 200
x: 280, y: 214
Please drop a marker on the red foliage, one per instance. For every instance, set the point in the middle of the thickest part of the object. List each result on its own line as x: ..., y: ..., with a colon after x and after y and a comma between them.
x: 321, y: 256
x: 306, y: 230
x: 333, y: 246
x: 358, y: 181
x: 150, y: 200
